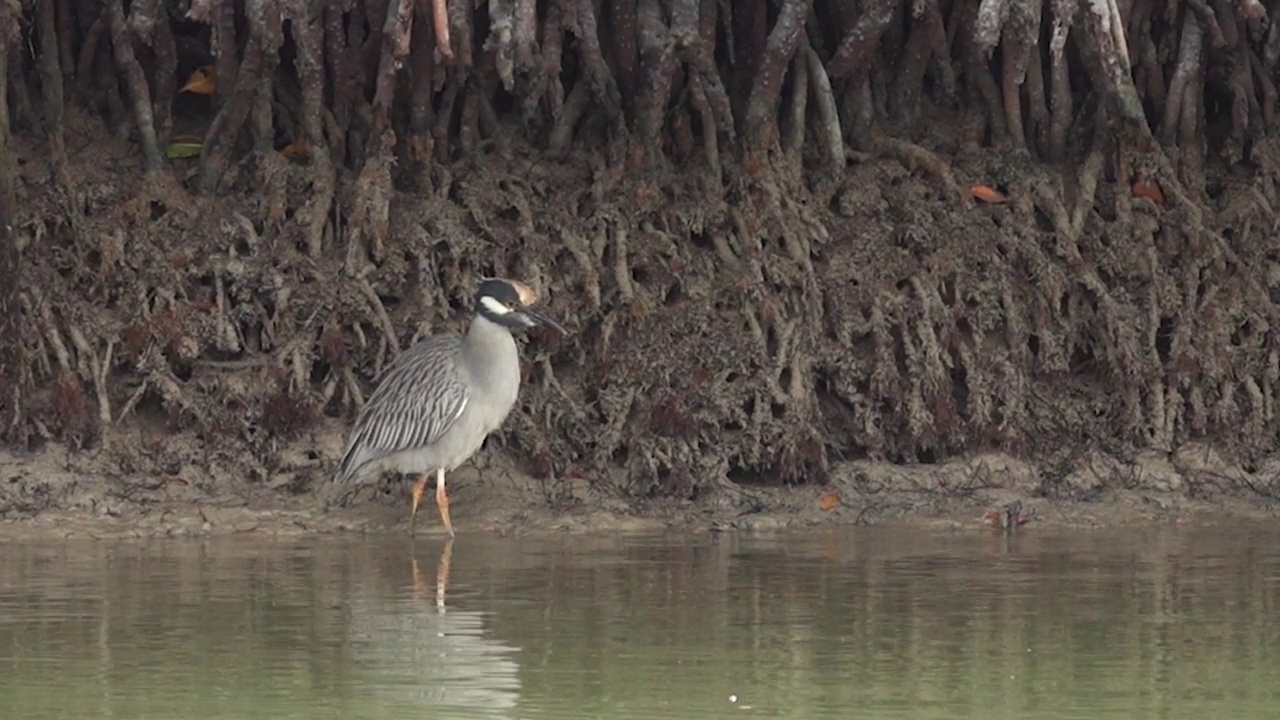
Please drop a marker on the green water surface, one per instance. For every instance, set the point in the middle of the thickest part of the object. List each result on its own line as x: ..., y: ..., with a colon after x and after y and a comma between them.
x: 869, y: 623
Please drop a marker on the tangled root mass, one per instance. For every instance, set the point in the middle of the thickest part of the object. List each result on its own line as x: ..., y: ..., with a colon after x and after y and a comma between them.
x: 756, y: 216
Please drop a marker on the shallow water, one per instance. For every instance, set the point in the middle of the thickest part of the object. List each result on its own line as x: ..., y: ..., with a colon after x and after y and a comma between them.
x: 1139, y: 623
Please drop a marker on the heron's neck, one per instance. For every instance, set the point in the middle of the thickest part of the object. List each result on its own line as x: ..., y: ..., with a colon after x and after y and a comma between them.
x: 490, y: 349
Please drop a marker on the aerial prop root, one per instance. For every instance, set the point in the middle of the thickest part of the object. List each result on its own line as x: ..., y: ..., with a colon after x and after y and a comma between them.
x: 310, y: 51
x: 136, y: 81
x: 264, y: 24
x: 85, y: 364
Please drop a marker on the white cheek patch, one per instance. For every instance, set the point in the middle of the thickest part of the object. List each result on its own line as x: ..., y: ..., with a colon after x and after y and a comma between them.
x: 493, y: 306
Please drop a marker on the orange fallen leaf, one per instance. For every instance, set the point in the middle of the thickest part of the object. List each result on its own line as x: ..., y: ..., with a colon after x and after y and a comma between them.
x: 828, y: 501
x: 987, y: 194
x: 201, y: 82
x: 296, y: 150
x: 1149, y: 189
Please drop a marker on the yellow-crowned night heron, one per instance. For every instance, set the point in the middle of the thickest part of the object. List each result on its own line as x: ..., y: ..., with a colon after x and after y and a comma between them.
x: 440, y: 399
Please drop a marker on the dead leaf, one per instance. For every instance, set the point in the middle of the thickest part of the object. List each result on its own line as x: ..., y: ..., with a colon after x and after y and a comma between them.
x: 299, y: 150
x: 201, y: 82
x: 1150, y: 190
x: 829, y: 501
x: 987, y: 194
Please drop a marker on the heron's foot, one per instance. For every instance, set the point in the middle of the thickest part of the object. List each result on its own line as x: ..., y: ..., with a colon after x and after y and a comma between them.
x: 444, y: 515
x: 419, y: 488
x: 442, y: 502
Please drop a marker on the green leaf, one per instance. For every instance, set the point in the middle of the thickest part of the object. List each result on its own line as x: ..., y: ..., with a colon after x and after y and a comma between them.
x: 184, y: 149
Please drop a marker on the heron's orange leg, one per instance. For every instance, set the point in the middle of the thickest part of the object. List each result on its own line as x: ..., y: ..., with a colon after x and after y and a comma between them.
x: 442, y: 501
x: 418, y: 488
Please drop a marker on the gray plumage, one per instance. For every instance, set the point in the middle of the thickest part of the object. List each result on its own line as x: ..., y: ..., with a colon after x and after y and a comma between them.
x: 421, y: 398
x: 440, y: 399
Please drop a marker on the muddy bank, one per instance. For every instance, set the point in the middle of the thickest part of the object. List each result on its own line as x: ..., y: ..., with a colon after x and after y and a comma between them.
x: 60, y: 493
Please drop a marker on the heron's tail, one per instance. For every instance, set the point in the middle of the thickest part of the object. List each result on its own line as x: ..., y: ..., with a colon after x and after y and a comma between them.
x: 353, y: 461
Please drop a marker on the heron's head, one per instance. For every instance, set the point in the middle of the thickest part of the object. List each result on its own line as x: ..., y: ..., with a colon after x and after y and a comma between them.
x: 511, y: 304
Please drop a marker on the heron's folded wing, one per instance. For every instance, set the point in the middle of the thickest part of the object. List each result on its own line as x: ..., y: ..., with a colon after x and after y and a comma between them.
x: 420, y: 396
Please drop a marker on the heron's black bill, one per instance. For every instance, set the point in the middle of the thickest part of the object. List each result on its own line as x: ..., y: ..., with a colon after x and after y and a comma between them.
x: 542, y: 319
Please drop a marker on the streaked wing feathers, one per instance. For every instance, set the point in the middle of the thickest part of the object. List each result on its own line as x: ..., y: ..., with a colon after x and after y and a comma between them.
x: 419, y: 397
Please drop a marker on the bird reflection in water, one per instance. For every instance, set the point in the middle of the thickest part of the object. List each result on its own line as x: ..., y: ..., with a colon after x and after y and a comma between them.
x: 442, y: 576
x: 413, y: 655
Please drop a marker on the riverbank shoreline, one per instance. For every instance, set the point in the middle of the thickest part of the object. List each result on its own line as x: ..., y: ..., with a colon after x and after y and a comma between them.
x: 57, y: 493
